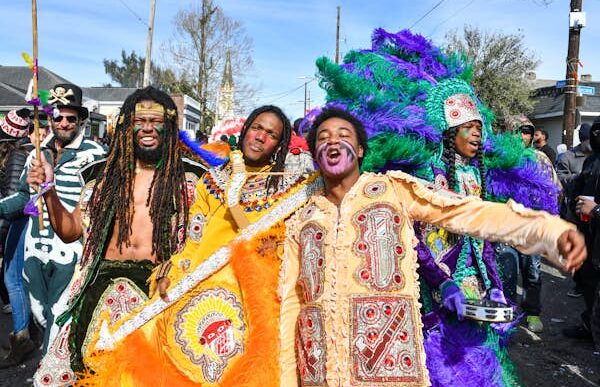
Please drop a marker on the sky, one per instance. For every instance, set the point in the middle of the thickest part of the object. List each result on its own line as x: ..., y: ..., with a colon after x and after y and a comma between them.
x: 288, y: 35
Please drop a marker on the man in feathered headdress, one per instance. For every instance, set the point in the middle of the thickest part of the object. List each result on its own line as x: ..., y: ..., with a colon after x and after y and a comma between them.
x: 355, y: 318
x: 422, y: 116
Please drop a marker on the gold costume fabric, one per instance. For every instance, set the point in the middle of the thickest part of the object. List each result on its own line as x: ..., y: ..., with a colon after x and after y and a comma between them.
x: 350, y: 311
x: 226, y: 324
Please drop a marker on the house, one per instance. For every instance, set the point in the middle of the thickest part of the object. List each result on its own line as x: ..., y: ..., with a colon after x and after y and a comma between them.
x: 550, y: 102
x: 104, y: 103
x: 14, y: 81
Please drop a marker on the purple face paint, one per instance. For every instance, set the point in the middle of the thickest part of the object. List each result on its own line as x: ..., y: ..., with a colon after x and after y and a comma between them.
x: 342, y: 156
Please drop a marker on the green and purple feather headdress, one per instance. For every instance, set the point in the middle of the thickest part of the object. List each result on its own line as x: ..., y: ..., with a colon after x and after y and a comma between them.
x: 398, y: 87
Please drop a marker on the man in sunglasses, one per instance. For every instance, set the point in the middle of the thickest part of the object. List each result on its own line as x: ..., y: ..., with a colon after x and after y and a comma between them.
x: 50, y: 262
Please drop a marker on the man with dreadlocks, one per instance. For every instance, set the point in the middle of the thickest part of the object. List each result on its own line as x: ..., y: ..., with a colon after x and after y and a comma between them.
x: 455, y: 267
x: 214, y: 319
x: 133, y: 213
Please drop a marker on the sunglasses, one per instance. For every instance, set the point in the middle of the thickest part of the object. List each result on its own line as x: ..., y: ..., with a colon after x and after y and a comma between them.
x: 70, y: 119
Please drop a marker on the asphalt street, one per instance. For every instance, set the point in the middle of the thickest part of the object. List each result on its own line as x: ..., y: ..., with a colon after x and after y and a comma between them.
x: 544, y: 359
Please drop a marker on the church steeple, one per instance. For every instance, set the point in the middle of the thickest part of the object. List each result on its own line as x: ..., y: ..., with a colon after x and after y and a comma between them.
x: 225, y: 104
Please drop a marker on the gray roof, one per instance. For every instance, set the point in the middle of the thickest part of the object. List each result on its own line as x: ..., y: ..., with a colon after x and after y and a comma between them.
x: 118, y: 94
x: 552, y: 100
x: 10, y: 96
x: 539, y: 83
x: 19, y: 76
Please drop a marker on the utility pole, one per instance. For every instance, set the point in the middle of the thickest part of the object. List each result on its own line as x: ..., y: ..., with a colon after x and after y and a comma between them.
x: 148, y: 64
x: 570, y: 91
x: 337, y: 38
x: 305, y: 83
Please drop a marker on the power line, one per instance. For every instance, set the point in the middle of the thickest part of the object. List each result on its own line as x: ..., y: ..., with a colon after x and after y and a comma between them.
x: 450, y: 17
x: 427, y: 13
x: 134, y: 14
x: 286, y: 93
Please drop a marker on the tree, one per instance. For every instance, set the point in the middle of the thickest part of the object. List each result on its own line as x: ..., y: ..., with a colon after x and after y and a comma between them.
x: 130, y: 73
x: 203, y: 35
x: 500, y: 62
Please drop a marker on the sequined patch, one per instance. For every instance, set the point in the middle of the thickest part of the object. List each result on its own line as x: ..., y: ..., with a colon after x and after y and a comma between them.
x: 313, y: 261
x: 438, y: 241
x: 468, y: 183
x: 76, y: 286
x: 307, y: 211
x: 55, y: 367
x: 378, y: 241
x: 384, y: 342
x: 375, y: 189
x: 191, y: 180
x: 441, y: 182
x: 184, y: 264
x: 84, y: 202
x: 119, y: 299
x: 310, y: 343
x: 210, y: 330
x: 196, y: 227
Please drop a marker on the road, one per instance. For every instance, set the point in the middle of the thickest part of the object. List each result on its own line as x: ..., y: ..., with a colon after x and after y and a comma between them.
x: 545, y: 359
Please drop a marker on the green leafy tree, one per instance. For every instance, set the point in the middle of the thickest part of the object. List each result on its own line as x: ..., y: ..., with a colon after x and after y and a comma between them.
x: 129, y: 72
x: 500, y: 63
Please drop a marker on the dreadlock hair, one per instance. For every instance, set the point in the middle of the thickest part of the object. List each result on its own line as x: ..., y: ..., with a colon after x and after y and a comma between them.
x: 113, y: 197
x: 6, y: 147
x: 449, y: 158
x: 336, y: 112
x: 279, y: 156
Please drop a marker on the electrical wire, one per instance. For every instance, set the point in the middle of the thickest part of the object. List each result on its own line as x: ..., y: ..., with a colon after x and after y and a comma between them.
x: 427, y: 13
x: 287, y: 93
x: 134, y: 14
x: 450, y: 17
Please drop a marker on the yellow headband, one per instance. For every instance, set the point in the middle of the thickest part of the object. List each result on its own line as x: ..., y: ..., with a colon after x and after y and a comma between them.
x: 149, y: 107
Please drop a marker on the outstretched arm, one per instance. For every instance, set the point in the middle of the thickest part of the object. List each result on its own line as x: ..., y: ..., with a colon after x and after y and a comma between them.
x: 531, y: 232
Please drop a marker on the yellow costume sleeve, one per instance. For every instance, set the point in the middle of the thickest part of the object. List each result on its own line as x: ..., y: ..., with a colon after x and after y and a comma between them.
x: 531, y: 232
x: 290, y: 305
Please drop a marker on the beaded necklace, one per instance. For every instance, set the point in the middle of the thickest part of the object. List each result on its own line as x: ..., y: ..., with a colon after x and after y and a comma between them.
x: 255, y: 194
x: 468, y: 182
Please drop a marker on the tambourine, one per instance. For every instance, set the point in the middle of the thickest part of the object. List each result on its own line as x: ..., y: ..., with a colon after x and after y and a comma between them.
x: 488, y: 310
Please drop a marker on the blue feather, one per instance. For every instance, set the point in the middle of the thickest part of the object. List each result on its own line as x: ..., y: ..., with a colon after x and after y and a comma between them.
x: 209, y: 158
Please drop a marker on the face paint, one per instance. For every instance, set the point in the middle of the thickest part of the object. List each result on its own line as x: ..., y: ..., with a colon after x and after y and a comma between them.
x: 137, y: 128
x: 343, y: 154
x: 159, y: 128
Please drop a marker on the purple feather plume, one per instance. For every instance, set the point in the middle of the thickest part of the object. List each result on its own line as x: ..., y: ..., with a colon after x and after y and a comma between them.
x: 457, y: 356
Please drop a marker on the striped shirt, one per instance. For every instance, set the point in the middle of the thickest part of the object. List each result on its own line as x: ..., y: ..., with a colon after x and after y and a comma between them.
x: 45, y: 244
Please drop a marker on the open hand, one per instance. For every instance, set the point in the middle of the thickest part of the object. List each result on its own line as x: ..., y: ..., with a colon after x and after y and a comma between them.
x: 571, y: 246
